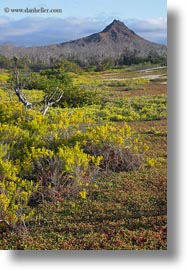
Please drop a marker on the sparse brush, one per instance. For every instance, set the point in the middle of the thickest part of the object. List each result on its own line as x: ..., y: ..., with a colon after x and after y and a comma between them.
x: 119, y: 149
x: 59, y: 175
x: 116, y: 158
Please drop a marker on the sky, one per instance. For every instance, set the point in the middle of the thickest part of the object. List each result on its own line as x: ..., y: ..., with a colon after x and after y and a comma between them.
x: 78, y: 18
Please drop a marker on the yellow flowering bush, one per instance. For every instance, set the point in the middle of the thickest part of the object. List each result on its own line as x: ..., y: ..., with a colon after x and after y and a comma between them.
x: 14, y: 195
x: 109, y: 133
x: 63, y: 151
x: 78, y: 166
x: 117, y: 146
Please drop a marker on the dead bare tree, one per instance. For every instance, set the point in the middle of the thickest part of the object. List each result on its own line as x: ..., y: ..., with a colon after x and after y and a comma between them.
x: 18, y: 88
x: 49, y: 100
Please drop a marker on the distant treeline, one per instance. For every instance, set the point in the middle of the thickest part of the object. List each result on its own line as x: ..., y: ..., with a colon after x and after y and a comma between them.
x: 27, y: 63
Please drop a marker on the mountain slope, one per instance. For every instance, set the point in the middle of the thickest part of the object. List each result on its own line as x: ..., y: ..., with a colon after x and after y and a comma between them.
x: 116, y: 42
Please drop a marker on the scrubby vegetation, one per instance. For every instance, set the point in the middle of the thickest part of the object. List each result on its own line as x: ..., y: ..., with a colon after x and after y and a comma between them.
x: 91, y: 173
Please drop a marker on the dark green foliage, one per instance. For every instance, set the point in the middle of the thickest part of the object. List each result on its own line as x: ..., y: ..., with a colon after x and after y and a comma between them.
x: 48, y: 79
x: 69, y: 66
x: 106, y: 64
x: 4, y: 62
x: 79, y: 97
x: 73, y: 96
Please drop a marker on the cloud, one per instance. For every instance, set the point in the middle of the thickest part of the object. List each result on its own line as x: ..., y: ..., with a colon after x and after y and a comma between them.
x: 32, y: 31
x: 152, y: 29
x: 40, y: 31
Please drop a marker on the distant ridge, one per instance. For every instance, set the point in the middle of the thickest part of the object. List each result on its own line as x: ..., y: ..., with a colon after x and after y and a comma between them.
x: 116, y: 42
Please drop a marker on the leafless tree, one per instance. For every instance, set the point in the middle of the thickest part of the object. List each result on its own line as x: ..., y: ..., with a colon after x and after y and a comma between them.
x: 49, y: 100
x: 18, y: 88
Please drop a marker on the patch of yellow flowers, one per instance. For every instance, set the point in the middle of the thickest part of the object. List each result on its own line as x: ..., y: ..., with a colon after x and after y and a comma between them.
x: 14, y: 194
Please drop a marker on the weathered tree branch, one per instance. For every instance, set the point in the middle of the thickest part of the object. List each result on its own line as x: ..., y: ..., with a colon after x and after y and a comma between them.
x: 17, y: 89
x: 51, y: 99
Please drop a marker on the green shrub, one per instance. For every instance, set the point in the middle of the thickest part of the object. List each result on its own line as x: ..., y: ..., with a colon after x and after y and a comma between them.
x: 79, y: 97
